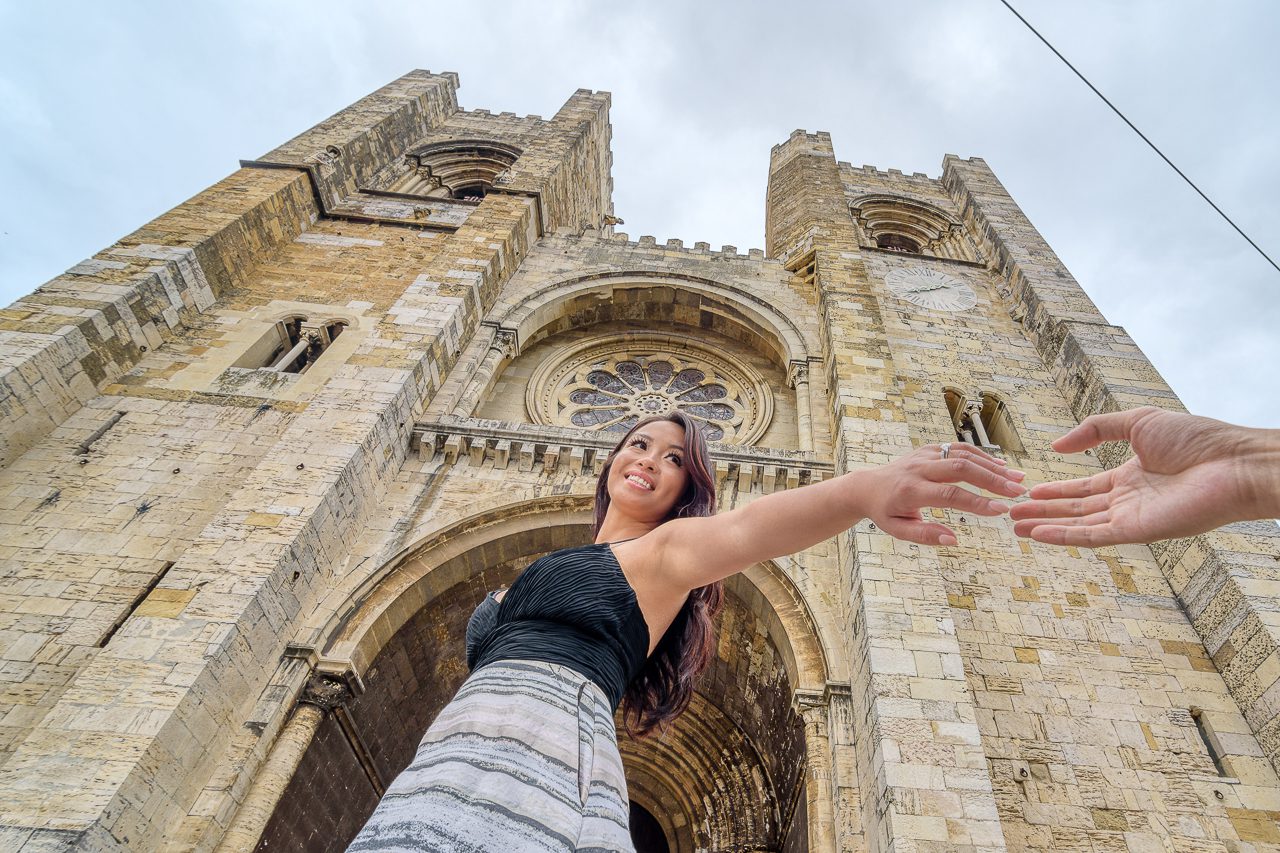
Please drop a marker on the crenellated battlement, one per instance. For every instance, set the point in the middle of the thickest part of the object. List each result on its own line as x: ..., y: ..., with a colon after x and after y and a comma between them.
x: 802, y: 141
x: 884, y: 174
x: 509, y: 116
x: 700, y: 248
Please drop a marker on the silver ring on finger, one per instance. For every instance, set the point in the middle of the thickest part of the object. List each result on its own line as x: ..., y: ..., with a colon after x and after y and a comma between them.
x: 946, y: 449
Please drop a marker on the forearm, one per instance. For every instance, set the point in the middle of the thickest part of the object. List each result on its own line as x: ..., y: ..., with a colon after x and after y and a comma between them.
x: 795, y: 519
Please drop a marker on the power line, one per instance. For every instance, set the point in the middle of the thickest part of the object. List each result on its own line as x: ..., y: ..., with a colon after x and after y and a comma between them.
x: 1190, y: 183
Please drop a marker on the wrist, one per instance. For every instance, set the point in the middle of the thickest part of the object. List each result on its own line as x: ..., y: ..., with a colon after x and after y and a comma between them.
x: 1260, y: 465
x: 1265, y: 467
x: 863, y: 486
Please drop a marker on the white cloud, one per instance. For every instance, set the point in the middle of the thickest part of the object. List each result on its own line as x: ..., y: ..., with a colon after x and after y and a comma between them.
x: 112, y: 114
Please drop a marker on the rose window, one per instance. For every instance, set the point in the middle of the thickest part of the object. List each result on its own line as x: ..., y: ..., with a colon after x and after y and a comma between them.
x: 609, y: 385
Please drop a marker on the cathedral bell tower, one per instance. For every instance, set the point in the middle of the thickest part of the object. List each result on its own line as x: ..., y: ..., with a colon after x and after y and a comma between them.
x: 1005, y: 693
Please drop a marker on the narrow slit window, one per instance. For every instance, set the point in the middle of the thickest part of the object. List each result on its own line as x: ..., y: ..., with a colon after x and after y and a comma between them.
x: 142, y: 596
x: 1206, y: 737
x: 805, y: 267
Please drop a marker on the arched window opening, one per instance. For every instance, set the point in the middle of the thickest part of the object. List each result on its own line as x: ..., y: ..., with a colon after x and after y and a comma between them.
x: 998, y: 422
x: 473, y: 192
x: 899, y: 224
x: 983, y: 421
x: 332, y: 330
x: 464, y: 169
x: 957, y: 406
x: 291, y: 345
x: 898, y: 243
x: 282, y: 337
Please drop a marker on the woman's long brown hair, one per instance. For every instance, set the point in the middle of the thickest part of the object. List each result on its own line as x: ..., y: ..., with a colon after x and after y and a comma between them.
x: 664, y: 687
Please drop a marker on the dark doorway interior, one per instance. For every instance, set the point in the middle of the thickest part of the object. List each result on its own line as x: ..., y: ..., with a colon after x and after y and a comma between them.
x: 646, y: 833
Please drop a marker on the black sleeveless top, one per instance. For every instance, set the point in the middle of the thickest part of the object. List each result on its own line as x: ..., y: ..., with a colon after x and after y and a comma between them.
x: 572, y: 607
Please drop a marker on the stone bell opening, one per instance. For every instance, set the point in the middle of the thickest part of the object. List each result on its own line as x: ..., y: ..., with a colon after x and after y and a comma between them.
x: 727, y: 775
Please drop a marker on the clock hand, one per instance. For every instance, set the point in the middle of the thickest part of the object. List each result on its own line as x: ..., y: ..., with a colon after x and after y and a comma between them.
x: 927, y: 289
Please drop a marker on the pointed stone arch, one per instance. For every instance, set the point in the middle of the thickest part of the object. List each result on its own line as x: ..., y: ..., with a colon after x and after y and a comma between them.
x: 730, y: 774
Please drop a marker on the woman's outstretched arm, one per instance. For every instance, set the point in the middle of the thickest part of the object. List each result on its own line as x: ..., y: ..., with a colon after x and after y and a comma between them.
x: 692, y: 552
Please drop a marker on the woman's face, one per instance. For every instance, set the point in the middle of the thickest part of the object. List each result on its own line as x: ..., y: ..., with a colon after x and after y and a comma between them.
x: 648, y: 475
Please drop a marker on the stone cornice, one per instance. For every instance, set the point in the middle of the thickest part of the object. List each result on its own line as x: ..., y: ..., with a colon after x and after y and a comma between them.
x: 549, y: 449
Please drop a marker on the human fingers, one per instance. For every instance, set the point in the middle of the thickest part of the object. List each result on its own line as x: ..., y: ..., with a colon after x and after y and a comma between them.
x: 1082, y: 488
x: 965, y: 450
x: 976, y: 452
x: 920, y: 532
x: 1095, y: 429
x: 1027, y: 527
x: 978, y: 457
x: 1064, y: 508
x: 1082, y: 536
x: 963, y: 470
x: 949, y: 496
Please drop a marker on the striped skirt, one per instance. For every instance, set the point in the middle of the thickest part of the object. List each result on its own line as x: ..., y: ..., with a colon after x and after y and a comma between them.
x: 525, y: 758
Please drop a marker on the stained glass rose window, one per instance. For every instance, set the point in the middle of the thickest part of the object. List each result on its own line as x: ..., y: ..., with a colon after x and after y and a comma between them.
x: 610, y: 385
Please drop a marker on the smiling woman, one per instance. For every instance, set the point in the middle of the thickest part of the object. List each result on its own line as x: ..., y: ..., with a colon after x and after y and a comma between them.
x: 627, y: 619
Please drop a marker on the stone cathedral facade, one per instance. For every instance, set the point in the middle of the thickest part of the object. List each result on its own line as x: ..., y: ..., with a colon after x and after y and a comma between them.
x: 262, y: 456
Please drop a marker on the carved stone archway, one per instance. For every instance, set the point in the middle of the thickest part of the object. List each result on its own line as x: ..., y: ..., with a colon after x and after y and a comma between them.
x: 730, y: 774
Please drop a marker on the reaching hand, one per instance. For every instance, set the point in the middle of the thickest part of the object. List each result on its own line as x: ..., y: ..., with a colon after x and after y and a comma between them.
x: 924, y: 479
x: 1188, y: 475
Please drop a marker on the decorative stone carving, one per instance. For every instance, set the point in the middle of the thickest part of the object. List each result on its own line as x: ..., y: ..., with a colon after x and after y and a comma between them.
x: 505, y: 341
x: 325, y: 692
x: 797, y: 373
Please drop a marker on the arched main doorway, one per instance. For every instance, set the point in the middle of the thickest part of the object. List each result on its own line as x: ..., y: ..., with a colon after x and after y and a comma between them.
x: 728, y: 775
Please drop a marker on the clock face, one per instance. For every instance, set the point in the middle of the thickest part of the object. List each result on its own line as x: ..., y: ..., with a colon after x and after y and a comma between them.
x: 930, y: 289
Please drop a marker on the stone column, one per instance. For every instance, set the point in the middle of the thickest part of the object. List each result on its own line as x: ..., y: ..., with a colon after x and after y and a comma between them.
x: 504, y: 346
x: 820, y: 795
x: 320, y: 696
x: 974, y: 411
x: 798, y: 378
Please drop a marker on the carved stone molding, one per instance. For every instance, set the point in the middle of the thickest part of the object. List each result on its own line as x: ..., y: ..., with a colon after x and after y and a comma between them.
x: 551, y: 449
x: 506, y: 341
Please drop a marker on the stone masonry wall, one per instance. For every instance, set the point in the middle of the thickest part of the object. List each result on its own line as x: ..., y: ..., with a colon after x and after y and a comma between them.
x: 1079, y: 668
x: 1081, y: 664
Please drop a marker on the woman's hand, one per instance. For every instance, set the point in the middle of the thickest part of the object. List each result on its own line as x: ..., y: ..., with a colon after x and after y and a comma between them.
x: 923, y: 478
x: 1188, y: 475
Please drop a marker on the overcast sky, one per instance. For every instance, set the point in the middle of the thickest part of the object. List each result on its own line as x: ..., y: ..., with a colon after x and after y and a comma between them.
x: 109, y: 116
